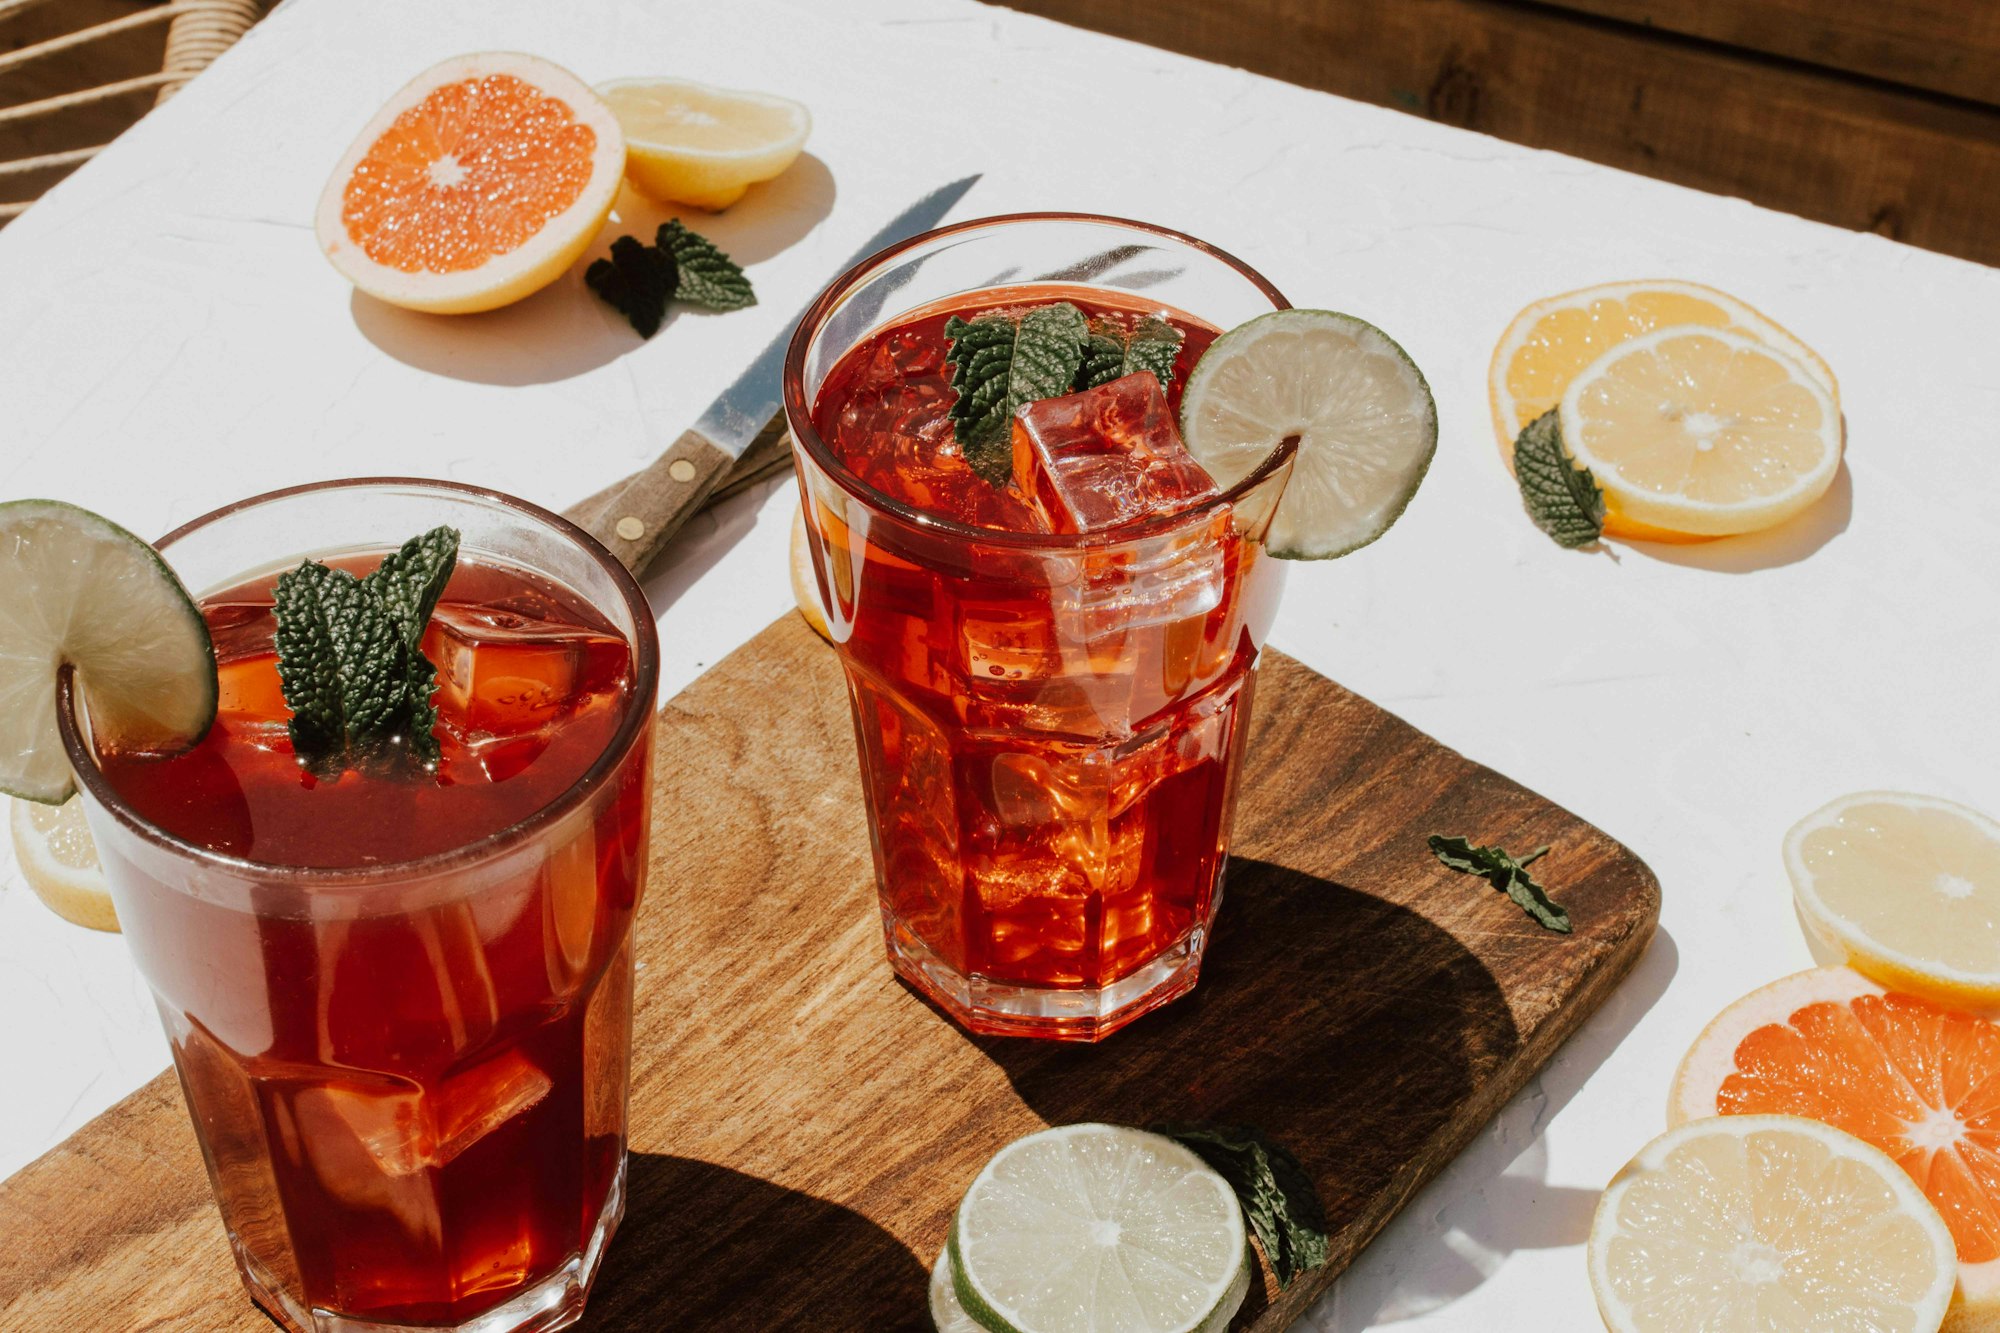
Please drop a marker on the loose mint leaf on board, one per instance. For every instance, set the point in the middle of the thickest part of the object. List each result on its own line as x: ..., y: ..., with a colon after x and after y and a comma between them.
x: 637, y: 280
x: 1001, y: 361
x: 1562, y: 498
x: 1278, y: 1198
x: 1505, y: 873
x: 1113, y: 352
x: 708, y: 276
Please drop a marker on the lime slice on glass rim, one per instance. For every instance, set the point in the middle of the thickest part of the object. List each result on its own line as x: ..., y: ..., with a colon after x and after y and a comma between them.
x: 1092, y: 1227
x: 1366, y: 423
x: 80, y: 590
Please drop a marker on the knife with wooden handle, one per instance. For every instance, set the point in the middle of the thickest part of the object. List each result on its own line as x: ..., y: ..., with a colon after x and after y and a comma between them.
x: 738, y: 440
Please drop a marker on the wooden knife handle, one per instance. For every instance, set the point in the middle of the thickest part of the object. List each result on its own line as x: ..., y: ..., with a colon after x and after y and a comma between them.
x: 639, y: 518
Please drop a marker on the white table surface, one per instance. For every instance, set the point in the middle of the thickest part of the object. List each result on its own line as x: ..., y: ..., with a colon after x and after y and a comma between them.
x: 170, y: 340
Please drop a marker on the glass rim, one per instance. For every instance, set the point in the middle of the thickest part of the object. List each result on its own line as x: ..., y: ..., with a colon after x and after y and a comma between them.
x: 798, y: 412
x: 638, y: 712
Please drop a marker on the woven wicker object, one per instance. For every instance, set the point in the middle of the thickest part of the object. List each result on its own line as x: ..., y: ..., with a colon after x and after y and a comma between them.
x: 197, y: 32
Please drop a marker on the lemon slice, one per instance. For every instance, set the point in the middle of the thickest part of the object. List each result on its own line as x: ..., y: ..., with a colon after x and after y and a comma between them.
x: 1702, y: 431
x: 1905, y: 889
x: 805, y: 584
x: 59, y: 861
x: 1364, y: 417
x: 1548, y: 344
x: 1768, y: 1222
x: 79, y: 589
x: 1091, y: 1227
x: 688, y: 143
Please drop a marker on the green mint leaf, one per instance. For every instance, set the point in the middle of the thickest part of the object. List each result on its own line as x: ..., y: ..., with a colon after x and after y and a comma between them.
x: 1113, y: 352
x: 350, y: 652
x: 637, y: 280
x: 342, y: 662
x: 1506, y: 873
x: 409, y: 581
x: 1562, y: 498
x: 708, y: 276
x: 1278, y: 1198
x: 1001, y: 361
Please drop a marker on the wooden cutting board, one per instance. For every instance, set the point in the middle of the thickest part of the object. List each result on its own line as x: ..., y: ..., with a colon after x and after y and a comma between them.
x: 802, y: 1124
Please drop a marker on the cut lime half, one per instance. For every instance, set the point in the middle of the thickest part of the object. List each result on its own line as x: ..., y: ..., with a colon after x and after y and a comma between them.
x: 1362, y: 411
x: 1090, y: 1227
x: 79, y: 589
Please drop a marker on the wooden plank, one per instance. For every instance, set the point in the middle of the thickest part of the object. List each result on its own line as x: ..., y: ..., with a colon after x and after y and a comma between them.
x: 1906, y: 164
x: 802, y: 1124
x: 1946, y: 46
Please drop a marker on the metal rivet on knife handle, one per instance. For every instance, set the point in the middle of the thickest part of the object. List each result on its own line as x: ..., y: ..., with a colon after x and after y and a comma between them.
x: 631, y: 529
x: 681, y: 470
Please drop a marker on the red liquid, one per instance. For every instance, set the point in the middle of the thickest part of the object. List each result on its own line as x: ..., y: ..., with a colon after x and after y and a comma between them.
x: 411, y: 1098
x: 1049, y: 743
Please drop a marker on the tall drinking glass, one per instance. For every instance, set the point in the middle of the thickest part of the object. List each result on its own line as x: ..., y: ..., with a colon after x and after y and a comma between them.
x: 1050, y: 726
x: 407, y: 1076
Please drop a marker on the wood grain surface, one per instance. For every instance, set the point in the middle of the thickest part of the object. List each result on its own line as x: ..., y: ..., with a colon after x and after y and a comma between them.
x: 1810, y: 140
x: 1945, y: 46
x: 802, y: 1124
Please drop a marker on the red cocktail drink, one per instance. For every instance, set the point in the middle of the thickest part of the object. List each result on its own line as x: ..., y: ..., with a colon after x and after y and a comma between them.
x: 1051, y: 673
x: 399, y: 999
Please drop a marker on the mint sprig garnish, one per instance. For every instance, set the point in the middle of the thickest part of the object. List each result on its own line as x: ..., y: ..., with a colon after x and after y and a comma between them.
x: 1278, y: 1198
x: 1112, y: 352
x: 1562, y: 498
x: 350, y: 654
x: 1001, y: 361
x: 1506, y: 873
x: 708, y: 277
x: 638, y: 280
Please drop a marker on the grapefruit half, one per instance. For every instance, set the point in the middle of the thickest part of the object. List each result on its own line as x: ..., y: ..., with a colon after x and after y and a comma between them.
x: 476, y: 185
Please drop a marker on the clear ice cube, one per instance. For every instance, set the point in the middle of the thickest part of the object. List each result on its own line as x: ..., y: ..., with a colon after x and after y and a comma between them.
x: 397, y: 1129
x: 1106, y: 456
x: 506, y: 672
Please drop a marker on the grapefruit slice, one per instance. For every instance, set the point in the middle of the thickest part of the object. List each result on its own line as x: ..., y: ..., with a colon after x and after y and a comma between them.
x: 1918, y: 1081
x: 476, y: 185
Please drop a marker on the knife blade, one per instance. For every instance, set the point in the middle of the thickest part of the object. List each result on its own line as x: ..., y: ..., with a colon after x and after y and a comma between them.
x: 738, y: 438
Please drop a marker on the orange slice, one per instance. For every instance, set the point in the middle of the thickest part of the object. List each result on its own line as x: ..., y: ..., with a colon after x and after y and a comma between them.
x: 476, y: 185
x: 1918, y: 1081
x: 1549, y: 343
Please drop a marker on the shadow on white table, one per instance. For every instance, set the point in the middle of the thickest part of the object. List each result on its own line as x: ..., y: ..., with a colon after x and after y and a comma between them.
x: 563, y: 330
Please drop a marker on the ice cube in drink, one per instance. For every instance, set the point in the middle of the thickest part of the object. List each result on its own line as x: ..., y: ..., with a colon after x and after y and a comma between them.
x: 1110, y: 456
x: 1106, y: 456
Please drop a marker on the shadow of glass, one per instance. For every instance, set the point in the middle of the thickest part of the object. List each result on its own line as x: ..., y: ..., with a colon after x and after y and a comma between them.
x: 1495, y: 1197
x: 1786, y: 544
x: 563, y: 330
x: 1390, y: 1026
x: 706, y: 1247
